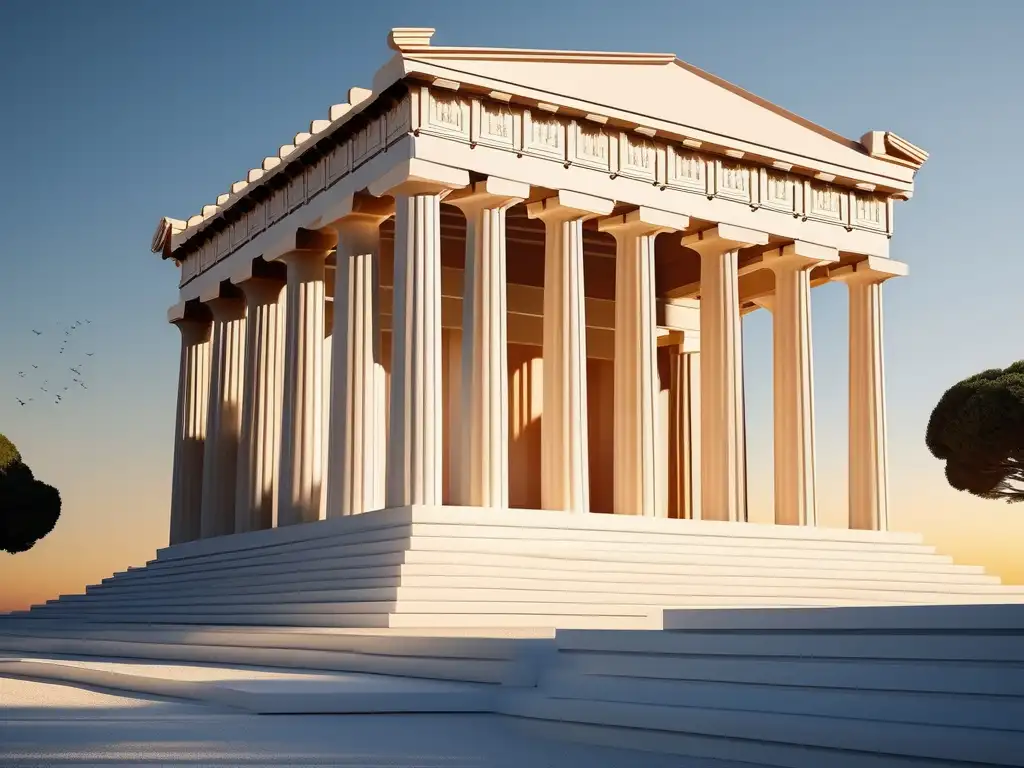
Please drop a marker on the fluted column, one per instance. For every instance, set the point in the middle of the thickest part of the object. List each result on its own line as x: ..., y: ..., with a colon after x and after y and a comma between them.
x: 224, y: 417
x: 414, y: 473
x: 793, y: 380
x: 868, y: 459
x: 636, y: 364
x: 684, y: 429
x: 357, y: 438
x: 255, y: 495
x: 190, y: 429
x: 723, y: 450
x: 300, y: 477
x: 565, y: 475
x: 483, y: 470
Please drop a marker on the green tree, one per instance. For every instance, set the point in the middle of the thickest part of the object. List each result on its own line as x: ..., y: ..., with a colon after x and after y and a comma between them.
x: 977, y: 428
x: 29, y: 509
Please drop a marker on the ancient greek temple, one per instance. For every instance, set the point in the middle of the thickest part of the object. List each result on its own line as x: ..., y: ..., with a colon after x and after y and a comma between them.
x: 515, y: 279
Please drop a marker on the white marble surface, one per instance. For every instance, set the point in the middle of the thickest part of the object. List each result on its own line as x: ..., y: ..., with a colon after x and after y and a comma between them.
x: 56, y: 725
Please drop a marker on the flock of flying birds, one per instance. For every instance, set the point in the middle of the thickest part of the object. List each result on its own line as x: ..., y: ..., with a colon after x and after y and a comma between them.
x: 66, y: 377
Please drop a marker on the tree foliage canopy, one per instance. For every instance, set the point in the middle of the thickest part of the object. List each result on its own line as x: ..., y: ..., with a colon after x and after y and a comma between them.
x: 29, y: 509
x: 977, y: 428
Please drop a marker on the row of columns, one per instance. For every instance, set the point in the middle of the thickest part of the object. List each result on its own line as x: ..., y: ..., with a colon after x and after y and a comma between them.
x: 268, y: 349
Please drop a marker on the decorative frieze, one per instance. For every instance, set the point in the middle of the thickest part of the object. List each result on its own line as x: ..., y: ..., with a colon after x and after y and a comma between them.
x: 544, y: 135
x: 589, y: 145
x: 542, y: 131
x: 637, y: 157
x: 779, y: 191
x: 687, y: 171
x: 823, y: 202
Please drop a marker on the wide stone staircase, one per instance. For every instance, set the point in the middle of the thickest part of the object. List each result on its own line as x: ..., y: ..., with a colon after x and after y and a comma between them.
x: 451, y: 567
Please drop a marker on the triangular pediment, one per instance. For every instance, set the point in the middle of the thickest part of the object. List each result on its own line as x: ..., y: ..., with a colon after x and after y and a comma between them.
x: 668, y: 94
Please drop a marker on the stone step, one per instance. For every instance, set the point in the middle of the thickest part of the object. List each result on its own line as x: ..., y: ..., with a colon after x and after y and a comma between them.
x: 681, y: 554
x: 412, y: 576
x: 760, y: 738
x: 518, y: 518
x: 505, y: 589
x: 940, y: 572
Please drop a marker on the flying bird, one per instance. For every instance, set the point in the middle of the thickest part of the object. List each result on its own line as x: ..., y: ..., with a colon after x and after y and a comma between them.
x: 82, y: 385
x: 34, y: 365
x: 75, y: 370
x: 44, y: 389
x: 37, y: 333
x: 20, y: 401
x: 22, y: 374
x: 89, y: 354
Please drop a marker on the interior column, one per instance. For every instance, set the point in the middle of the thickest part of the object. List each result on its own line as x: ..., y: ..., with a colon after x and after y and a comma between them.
x: 565, y: 480
x: 636, y: 365
x: 190, y: 428
x: 723, y: 453
x: 481, y: 477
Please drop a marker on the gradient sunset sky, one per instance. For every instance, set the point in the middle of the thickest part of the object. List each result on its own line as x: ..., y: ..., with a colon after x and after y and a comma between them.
x: 117, y: 113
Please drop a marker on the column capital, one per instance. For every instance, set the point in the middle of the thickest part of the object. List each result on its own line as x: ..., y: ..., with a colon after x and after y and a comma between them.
x: 723, y: 238
x: 644, y: 221
x: 186, y: 312
x: 419, y: 177
x: 360, y: 209
x: 262, y: 289
x: 566, y: 205
x: 873, y: 269
x: 492, y: 192
x: 799, y: 255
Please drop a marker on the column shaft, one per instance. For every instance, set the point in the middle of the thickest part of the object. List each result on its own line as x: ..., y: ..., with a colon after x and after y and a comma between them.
x: 357, y: 433
x: 224, y: 418
x: 684, y: 434
x: 565, y: 473
x: 255, y: 497
x: 482, y: 472
x: 636, y: 377
x: 300, y: 477
x: 190, y: 430
x: 414, y: 451
x: 869, y: 464
x: 723, y: 449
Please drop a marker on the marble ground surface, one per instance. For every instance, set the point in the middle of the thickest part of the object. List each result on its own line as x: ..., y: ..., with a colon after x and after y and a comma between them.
x: 46, y: 724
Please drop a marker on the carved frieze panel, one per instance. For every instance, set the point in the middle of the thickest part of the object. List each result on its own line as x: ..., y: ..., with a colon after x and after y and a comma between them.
x: 590, y: 145
x: 277, y: 205
x: 398, y: 119
x: 732, y: 180
x: 239, y: 232
x: 543, y: 135
x: 338, y: 163
x: 779, y: 191
x: 223, y: 243
x: 296, y: 191
x: 367, y: 141
x: 447, y: 115
x: 869, y: 212
x: 257, y: 219
x: 495, y: 124
x: 316, y: 177
x: 824, y: 202
x: 687, y: 171
x: 638, y: 157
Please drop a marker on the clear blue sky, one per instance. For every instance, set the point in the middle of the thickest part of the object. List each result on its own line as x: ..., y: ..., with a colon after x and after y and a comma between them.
x: 116, y: 113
